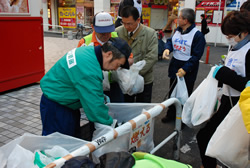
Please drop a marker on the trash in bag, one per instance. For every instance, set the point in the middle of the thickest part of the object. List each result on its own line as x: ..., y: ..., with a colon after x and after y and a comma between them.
x: 32, y: 143
x: 130, y: 81
x: 21, y: 157
x: 43, y: 158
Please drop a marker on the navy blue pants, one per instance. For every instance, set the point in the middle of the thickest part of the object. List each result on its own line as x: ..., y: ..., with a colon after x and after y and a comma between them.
x: 58, y: 118
x: 144, y: 97
x: 115, y: 94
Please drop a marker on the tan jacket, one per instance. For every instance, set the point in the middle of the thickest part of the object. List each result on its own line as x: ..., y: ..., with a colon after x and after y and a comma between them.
x: 144, y: 47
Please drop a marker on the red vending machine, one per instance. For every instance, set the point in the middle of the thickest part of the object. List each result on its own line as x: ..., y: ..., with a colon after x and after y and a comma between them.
x: 21, y: 51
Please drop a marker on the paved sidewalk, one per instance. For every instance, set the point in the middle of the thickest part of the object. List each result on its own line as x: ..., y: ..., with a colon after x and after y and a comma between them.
x: 19, y: 108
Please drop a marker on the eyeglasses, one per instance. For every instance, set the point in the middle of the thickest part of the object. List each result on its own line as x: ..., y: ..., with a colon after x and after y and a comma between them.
x: 127, y: 24
x: 231, y: 36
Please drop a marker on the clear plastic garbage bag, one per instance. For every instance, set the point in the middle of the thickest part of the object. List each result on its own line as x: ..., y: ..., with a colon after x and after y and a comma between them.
x: 35, y: 142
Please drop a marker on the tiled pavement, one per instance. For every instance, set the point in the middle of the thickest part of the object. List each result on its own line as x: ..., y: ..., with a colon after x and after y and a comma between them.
x: 19, y: 108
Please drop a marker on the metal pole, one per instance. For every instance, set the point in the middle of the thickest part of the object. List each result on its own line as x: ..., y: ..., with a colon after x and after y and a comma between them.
x: 217, y: 23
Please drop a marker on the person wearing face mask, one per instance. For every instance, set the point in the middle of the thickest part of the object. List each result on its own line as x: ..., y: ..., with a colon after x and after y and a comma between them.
x: 234, y: 75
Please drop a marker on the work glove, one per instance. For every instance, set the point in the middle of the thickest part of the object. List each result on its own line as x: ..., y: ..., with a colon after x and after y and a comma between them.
x: 106, y: 99
x: 217, y: 68
x: 165, y: 54
x: 248, y: 84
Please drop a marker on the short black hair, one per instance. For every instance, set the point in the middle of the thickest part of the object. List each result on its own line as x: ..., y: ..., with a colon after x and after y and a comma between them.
x: 202, y: 15
x: 130, y: 11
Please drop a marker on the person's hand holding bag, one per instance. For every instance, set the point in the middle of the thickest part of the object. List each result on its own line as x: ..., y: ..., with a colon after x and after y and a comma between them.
x: 181, y: 73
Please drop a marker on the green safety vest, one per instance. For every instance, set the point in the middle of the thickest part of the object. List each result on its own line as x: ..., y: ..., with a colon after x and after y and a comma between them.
x: 88, y: 38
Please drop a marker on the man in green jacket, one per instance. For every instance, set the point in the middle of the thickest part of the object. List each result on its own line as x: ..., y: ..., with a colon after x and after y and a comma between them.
x: 75, y: 82
x: 144, y: 43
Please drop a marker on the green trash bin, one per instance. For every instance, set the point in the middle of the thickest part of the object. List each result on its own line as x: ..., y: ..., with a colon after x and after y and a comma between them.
x: 146, y: 160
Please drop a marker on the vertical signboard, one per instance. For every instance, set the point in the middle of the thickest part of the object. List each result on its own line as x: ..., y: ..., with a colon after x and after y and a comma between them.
x: 80, y: 14
x: 146, y: 12
x: 67, y: 17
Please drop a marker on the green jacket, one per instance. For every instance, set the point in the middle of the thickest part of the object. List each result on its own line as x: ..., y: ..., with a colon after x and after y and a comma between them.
x: 144, y: 47
x: 75, y: 81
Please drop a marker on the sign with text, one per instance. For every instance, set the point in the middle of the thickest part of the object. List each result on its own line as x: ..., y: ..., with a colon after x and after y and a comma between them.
x: 139, y: 133
x: 67, y: 17
x: 146, y: 12
x: 213, y: 11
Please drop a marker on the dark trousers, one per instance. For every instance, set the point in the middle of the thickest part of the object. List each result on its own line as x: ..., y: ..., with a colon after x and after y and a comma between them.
x: 58, y: 118
x: 205, y: 134
x: 144, y: 97
x: 173, y: 81
x: 115, y: 94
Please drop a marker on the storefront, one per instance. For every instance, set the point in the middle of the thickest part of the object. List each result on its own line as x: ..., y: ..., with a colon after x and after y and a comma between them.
x: 214, y: 12
x: 67, y: 13
x: 154, y: 12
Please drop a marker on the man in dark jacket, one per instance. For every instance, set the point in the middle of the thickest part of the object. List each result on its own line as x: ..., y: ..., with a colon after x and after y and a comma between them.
x: 188, y: 45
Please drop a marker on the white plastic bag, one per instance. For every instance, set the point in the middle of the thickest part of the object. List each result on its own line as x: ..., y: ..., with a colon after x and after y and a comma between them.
x: 21, y: 157
x: 199, y: 107
x: 230, y: 142
x: 180, y: 91
x: 35, y: 142
x: 188, y: 107
x: 105, y: 82
x: 130, y: 81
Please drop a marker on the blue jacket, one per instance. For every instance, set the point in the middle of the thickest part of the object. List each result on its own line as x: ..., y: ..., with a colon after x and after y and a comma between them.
x: 192, y: 65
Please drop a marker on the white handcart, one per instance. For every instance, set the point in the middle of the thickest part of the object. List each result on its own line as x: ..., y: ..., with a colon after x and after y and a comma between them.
x: 136, y: 131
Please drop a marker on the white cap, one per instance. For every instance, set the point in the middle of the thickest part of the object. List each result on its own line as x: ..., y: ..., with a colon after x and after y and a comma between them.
x: 103, y: 23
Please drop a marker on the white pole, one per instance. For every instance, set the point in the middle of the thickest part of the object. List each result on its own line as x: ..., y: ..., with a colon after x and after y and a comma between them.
x: 217, y: 23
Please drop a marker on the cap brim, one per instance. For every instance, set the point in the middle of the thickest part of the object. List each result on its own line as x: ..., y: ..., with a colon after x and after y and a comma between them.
x: 126, y: 65
x: 106, y: 29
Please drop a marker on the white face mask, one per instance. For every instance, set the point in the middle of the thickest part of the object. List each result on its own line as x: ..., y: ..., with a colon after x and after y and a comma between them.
x: 232, y: 42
